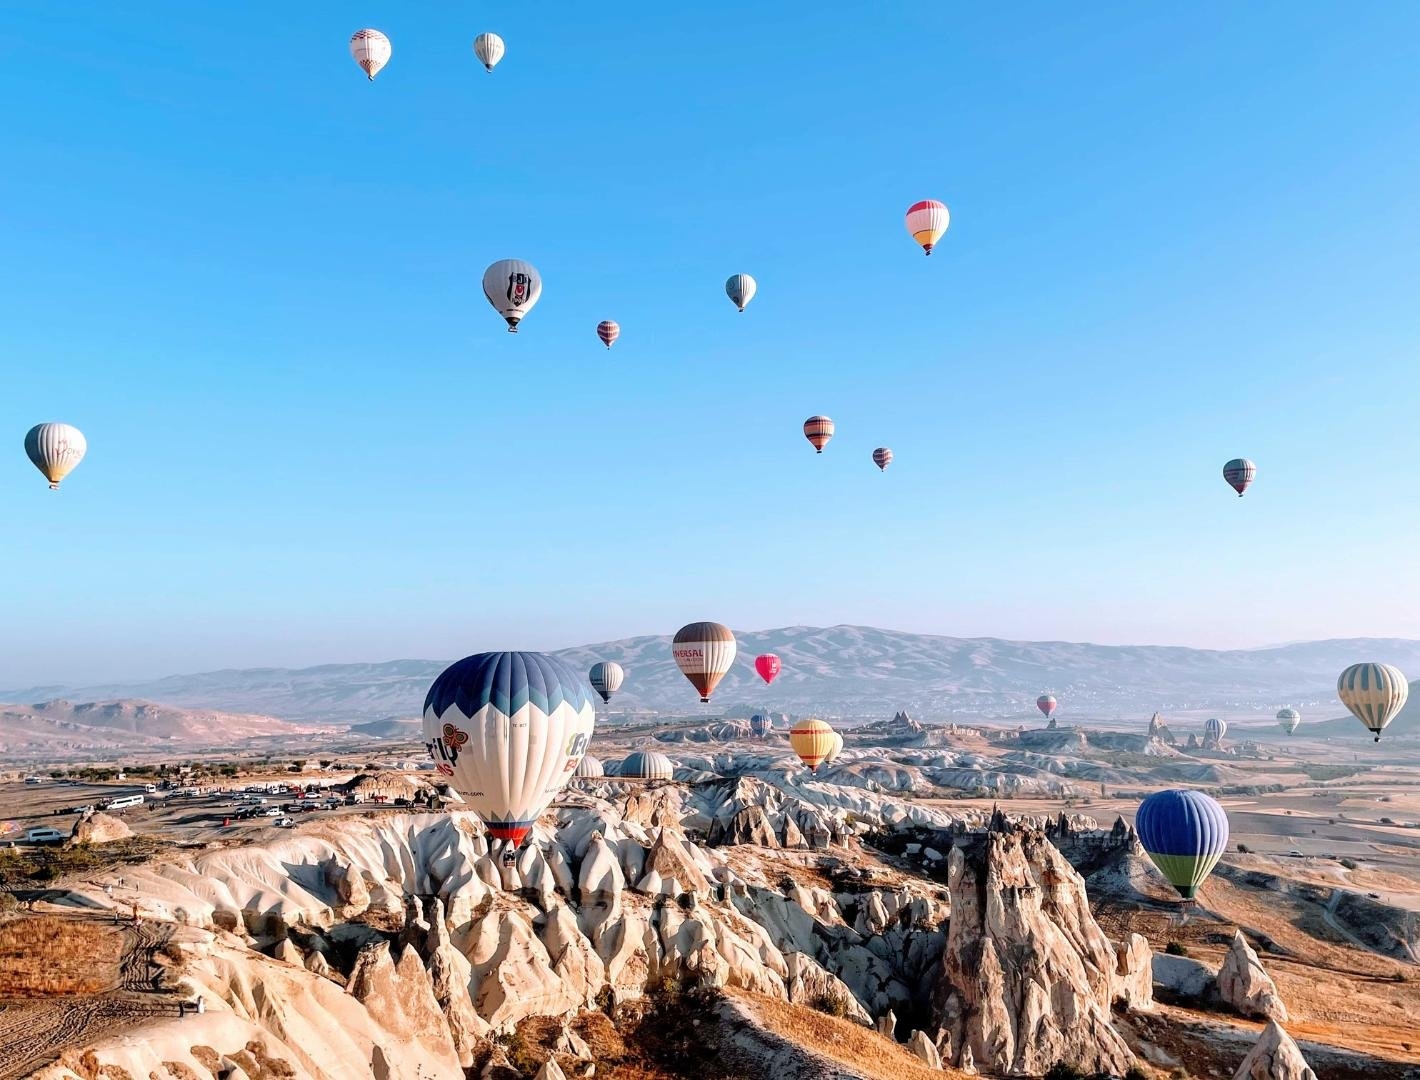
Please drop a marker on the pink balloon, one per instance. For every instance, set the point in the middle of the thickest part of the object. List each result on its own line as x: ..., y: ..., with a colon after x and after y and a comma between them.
x: 768, y: 666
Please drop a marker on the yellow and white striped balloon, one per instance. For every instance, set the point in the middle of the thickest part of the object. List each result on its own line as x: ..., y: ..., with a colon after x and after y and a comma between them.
x: 1374, y: 693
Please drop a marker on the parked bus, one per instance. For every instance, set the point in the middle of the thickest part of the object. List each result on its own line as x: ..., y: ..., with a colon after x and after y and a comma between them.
x: 123, y: 803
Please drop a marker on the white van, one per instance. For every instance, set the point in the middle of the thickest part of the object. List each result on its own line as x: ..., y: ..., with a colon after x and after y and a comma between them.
x: 124, y: 802
x: 150, y: 789
x: 43, y: 834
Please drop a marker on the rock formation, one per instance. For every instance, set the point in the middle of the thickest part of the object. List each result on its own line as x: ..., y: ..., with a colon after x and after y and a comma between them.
x: 400, y: 934
x: 98, y: 828
x: 1027, y: 976
x: 1245, y: 985
x: 1274, y: 1057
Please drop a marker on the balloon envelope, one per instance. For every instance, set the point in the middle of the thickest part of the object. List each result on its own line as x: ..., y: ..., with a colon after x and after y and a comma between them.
x: 1374, y: 693
x: 741, y: 289
x: 818, y: 430
x: 812, y: 740
x: 508, y: 729
x: 1046, y: 704
x: 489, y: 49
x: 704, y: 651
x: 882, y: 458
x: 647, y: 765
x: 768, y: 666
x: 608, y: 331
x: 1289, y: 720
x: 55, y: 449
x: 371, y: 50
x: 589, y: 768
x: 927, y: 221
x: 606, y: 678
x: 1239, y: 473
x: 835, y: 748
x: 761, y: 725
x: 1185, y: 833
x: 1214, y: 730
x: 513, y: 287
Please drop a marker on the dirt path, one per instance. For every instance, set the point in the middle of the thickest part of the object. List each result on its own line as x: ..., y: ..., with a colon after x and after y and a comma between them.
x: 34, y: 1031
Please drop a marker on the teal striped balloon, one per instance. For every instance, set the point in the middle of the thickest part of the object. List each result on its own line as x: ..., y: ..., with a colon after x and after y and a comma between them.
x: 1374, y: 693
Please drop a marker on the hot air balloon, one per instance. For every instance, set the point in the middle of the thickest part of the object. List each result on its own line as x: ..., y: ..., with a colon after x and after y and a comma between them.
x: 608, y: 331
x: 761, y: 725
x: 513, y: 287
x: 1239, y: 473
x: 606, y: 678
x: 768, y: 666
x: 812, y: 740
x: 835, y: 748
x: 741, y: 289
x: 704, y: 651
x: 882, y: 458
x: 371, y: 50
x: 927, y: 221
x: 489, y: 49
x: 55, y: 450
x: 1185, y: 833
x: 1046, y: 704
x: 818, y: 430
x: 508, y: 728
x: 1213, y: 732
x: 647, y: 765
x: 1289, y: 720
x: 589, y: 768
x: 1374, y: 693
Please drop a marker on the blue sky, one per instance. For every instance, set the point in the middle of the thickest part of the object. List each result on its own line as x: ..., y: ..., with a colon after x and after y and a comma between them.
x: 252, y: 278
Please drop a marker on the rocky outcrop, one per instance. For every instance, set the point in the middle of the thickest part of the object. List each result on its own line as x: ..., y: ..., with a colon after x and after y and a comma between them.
x: 1027, y: 976
x: 1134, y: 974
x: 1183, y: 979
x: 1244, y: 984
x: 924, y: 1048
x: 98, y: 828
x: 1274, y: 1057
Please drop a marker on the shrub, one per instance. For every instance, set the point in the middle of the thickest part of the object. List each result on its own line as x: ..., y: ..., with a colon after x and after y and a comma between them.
x: 1243, y: 849
x: 832, y: 1004
x: 1135, y: 1073
x: 1350, y: 864
x: 1061, y: 1071
x: 1174, y: 948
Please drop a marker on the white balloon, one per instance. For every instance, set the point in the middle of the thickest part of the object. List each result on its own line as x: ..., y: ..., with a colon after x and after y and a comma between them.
x: 371, y: 50
x: 489, y: 49
x: 55, y: 450
x: 513, y: 287
x: 508, y: 729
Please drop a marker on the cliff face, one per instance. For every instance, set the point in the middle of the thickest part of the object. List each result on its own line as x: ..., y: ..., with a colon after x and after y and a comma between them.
x: 395, y: 944
x: 1028, y: 976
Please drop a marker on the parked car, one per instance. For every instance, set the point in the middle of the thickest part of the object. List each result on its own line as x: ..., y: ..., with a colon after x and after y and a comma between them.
x: 285, y: 823
x: 274, y: 811
x: 1296, y: 854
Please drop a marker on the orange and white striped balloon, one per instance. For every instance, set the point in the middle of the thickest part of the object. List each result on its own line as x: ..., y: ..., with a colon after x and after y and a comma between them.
x: 813, y: 741
x: 608, y: 331
x: 818, y: 430
x: 704, y: 652
x: 927, y: 221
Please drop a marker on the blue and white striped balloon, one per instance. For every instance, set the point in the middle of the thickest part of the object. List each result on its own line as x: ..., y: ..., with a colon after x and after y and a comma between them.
x: 508, y: 729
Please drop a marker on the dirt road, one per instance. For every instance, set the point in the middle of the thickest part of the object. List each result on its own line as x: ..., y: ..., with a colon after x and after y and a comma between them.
x: 33, y: 1031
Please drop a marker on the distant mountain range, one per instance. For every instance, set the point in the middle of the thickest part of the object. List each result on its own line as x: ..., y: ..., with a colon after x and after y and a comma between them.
x: 835, y: 671
x: 59, y: 727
